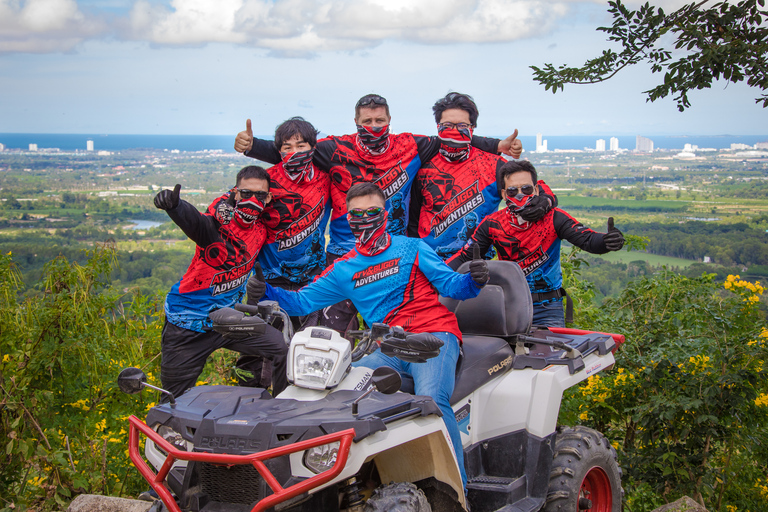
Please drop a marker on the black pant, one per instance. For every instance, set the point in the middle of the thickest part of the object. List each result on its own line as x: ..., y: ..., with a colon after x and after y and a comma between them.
x: 185, y: 353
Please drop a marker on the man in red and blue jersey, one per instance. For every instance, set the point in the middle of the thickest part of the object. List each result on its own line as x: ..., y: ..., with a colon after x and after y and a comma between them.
x: 535, y: 246
x: 228, y: 238
x: 456, y: 189
x: 395, y: 280
x: 372, y: 154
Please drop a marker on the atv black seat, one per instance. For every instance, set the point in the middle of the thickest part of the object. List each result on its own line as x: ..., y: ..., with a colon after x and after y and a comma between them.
x: 503, y: 307
x: 483, y: 358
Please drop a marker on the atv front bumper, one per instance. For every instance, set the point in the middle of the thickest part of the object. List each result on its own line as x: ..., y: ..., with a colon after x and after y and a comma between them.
x: 256, y: 460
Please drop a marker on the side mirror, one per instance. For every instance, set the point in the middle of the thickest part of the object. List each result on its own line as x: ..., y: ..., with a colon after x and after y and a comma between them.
x: 386, y: 380
x: 131, y: 380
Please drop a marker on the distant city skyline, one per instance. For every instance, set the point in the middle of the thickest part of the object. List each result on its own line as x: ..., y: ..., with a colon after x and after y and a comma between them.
x: 203, y: 67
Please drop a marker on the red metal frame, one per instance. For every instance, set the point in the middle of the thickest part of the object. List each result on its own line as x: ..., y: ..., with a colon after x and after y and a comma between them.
x: 256, y: 459
x: 618, y: 338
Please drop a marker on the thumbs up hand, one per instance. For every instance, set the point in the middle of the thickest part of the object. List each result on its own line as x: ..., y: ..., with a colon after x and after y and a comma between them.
x: 478, y: 268
x: 244, y: 139
x: 613, y: 239
x: 256, y: 286
x: 168, y: 199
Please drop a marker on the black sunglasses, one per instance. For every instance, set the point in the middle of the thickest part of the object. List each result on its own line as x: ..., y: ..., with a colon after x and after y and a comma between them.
x: 526, y: 190
x: 359, y: 213
x: 451, y: 126
x: 371, y: 99
x: 259, y: 194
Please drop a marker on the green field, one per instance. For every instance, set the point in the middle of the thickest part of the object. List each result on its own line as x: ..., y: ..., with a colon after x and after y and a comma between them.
x: 653, y: 259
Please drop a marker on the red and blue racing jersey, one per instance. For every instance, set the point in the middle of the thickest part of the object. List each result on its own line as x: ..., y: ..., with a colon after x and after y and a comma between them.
x: 398, y: 286
x: 535, y: 248
x: 216, y: 278
x: 295, y: 219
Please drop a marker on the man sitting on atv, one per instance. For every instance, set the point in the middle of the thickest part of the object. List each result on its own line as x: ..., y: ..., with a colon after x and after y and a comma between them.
x: 395, y: 280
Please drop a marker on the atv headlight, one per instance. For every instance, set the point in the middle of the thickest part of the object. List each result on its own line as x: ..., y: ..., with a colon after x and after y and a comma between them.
x: 321, y: 458
x: 318, y: 358
x: 174, y: 438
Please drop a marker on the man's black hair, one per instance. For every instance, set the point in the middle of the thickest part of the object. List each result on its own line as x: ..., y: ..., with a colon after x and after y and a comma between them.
x: 295, y: 126
x: 459, y: 101
x: 365, y: 188
x: 253, y: 171
x: 512, y: 167
x: 371, y: 101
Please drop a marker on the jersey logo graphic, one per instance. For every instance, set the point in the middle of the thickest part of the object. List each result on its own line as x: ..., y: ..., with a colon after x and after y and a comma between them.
x: 223, y: 282
x: 298, y: 231
x: 460, y: 205
x: 533, y: 261
x: 376, y: 272
x: 393, y: 180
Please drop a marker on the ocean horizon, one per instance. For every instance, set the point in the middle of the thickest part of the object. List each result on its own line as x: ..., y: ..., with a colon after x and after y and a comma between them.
x: 194, y: 143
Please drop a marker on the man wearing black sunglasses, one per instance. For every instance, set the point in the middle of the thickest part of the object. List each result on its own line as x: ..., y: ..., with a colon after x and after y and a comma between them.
x: 458, y: 185
x: 371, y: 154
x: 535, y: 246
x: 395, y: 280
x: 228, y: 236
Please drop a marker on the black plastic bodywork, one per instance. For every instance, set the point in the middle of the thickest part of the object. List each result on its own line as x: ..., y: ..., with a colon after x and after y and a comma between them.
x: 239, y: 420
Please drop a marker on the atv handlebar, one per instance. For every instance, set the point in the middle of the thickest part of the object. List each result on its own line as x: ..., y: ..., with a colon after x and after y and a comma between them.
x: 395, y: 342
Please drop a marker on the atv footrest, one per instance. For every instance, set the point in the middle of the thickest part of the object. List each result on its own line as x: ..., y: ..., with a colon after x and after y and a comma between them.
x: 541, y: 355
x: 491, y: 493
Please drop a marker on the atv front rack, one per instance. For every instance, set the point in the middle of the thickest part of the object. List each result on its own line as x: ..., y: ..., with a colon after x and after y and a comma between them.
x: 255, y: 459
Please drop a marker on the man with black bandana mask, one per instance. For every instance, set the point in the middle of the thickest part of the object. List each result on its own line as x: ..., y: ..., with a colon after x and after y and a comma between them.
x: 535, y: 245
x: 228, y: 237
x: 373, y: 154
x: 460, y: 181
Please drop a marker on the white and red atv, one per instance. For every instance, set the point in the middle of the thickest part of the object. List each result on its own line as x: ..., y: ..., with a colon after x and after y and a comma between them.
x: 346, y: 439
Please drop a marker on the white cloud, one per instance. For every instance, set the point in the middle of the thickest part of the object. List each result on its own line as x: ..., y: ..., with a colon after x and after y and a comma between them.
x: 42, y: 26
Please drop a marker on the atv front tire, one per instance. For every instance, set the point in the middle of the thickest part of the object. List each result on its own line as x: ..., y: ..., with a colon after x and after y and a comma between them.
x: 398, y: 497
x: 585, y: 473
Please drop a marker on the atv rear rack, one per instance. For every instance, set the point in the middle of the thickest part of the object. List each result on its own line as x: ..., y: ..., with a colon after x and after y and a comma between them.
x: 255, y: 459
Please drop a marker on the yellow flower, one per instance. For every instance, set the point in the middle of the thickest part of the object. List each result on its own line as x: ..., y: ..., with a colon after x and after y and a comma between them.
x: 762, y: 400
x: 6, y: 358
x: 584, y: 416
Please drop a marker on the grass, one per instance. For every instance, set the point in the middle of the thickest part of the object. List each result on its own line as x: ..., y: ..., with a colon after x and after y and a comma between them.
x: 653, y: 259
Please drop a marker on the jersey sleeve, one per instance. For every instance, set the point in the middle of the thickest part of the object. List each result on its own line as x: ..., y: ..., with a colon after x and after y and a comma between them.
x: 429, y: 146
x: 579, y: 235
x: 264, y: 151
x: 199, y: 227
x: 448, y: 282
x: 318, y: 294
x: 480, y: 237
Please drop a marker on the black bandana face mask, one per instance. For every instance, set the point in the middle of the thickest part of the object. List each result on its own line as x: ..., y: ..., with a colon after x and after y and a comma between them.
x: 370, y: 233
x: 297, y: 165
x: 373, y: 139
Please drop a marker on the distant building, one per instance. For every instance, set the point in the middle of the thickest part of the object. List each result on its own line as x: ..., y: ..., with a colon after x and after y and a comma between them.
x: 743, y: 146
x: 614, y: 144
x: 541, y: 145
x: 89, y: 145
x: 690, y: 148
x: 600, y: 145
x: 761, y: 145
x: 643, y: 144
x: 33, y: 147
x: 2, y: 146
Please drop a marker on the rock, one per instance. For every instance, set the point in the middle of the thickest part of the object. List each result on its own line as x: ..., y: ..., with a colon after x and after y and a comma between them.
x: 684, y: 504
x: 97, y: 503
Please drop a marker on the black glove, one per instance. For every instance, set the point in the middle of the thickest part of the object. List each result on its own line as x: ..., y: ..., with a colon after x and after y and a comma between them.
x: 233, y: 324
x: 613, y: 239
x: 225, y: 210
x: 537, y: 207
x: 256, y: 286
x: 478, y: 268
x: 168, y: 199
x: 414, y: 348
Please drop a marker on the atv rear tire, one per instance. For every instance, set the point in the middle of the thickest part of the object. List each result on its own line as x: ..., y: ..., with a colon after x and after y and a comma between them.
x: 585, y: 473
x: 398, y: 497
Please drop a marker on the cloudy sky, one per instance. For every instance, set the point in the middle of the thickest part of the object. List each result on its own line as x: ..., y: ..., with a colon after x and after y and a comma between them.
x: 204, y: 66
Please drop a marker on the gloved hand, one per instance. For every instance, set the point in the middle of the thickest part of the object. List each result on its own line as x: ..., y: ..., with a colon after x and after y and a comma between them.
x: 168, y: 199
x: 536, y: 208
x: 478, y: 268
x: 256, y: 286
x: 613, y: 239
x: 225, y: 210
